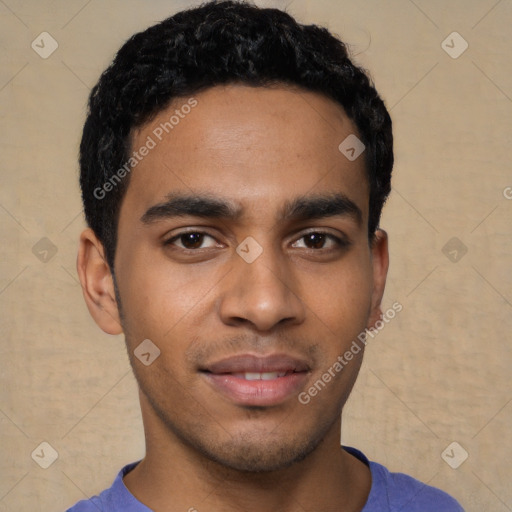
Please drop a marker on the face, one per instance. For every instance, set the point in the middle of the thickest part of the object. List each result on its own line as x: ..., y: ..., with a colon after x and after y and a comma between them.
x: 243, y: 255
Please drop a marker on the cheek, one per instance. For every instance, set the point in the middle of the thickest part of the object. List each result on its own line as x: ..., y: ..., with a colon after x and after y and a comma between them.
x: 160, y: 297
x: 340, y: 296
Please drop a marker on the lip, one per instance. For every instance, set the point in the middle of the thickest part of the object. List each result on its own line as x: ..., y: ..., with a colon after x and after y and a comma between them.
x: 254, y: 363
x: 224, y: 376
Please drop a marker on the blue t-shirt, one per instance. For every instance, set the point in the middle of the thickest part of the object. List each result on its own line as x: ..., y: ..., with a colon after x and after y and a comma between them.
x: 390, y: 492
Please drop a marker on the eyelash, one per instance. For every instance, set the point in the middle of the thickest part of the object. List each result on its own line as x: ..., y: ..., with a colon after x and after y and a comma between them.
x: 341, y: 243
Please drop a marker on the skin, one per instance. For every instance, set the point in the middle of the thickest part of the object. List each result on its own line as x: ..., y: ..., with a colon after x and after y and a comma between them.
x: 259, y: 149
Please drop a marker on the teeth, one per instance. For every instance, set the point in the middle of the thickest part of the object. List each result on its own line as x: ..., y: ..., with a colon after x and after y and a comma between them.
x: 260, y: 376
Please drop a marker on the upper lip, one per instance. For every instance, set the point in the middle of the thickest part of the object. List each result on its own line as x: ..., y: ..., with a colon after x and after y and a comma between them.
x: 258, y: 364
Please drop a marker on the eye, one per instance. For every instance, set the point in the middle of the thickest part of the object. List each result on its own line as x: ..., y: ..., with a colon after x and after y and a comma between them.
x: 318, y: 240
x: 192, y: 240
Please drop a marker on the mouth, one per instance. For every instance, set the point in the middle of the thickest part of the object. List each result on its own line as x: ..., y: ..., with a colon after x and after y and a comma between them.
x: 260, y: 375
x: 250, y: 380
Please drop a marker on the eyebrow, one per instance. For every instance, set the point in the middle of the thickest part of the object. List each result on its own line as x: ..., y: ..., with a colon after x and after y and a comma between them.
x: 321, y: 206
x: 299, y: 209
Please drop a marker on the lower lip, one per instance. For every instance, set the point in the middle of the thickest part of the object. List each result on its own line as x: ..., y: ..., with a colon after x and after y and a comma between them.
x: 257, y: 392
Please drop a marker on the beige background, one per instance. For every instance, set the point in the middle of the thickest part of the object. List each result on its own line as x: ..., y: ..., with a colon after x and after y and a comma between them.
x: 438, y: 373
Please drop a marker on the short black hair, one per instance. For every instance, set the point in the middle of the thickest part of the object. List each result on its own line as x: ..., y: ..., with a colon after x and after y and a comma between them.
x: 219, y: 43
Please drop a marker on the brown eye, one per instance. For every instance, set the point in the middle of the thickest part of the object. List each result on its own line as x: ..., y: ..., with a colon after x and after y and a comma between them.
x: 318, y: 240
x: 315, y: 240
x: 192, y: 240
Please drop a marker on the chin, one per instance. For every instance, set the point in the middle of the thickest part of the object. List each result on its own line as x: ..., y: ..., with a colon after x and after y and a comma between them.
x: 259, y: 456
x: 250, y: 446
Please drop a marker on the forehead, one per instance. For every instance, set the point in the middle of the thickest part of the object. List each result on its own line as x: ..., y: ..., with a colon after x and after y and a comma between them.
x: 257, y: 146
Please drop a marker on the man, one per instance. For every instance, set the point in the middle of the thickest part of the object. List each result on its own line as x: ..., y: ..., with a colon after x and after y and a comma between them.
x: 234, y: 165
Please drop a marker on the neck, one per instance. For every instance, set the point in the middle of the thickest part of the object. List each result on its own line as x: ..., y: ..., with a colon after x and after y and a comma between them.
x: 174, y: 477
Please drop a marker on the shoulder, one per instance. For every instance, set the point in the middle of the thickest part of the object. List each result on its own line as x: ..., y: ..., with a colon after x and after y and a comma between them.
x: 397, y: 492
x: 91, y: 505
x: 115, y: 498
x: 403, y: 492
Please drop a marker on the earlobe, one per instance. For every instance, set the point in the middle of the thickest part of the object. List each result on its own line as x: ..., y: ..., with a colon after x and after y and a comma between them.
x: 97, y: 283
x: 380, y: 264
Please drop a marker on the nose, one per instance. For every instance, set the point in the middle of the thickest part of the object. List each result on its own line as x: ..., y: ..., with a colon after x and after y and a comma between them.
x: 262, y: 294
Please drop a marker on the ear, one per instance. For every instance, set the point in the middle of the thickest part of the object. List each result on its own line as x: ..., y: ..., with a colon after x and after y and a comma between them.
x: 380, y: 264
x: 97, y: 283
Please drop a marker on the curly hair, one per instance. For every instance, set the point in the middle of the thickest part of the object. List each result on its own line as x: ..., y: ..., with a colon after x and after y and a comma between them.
x: 218, y: 43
